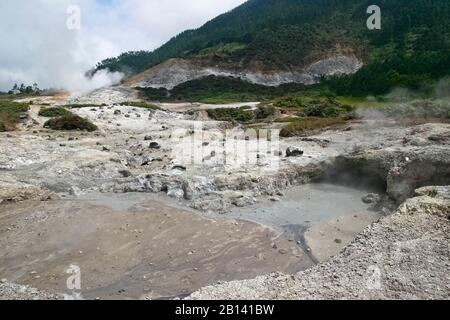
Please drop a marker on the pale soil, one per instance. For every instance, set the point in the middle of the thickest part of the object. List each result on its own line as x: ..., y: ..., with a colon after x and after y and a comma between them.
x: 329, y: 238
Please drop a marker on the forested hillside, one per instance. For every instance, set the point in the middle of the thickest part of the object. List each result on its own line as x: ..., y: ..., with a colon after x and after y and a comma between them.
x: 413, y: 45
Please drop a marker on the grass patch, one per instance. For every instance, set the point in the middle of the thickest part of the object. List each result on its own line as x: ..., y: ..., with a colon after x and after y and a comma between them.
x: 359, y: 102
x: 10, y: 113
x: 140, y: 104
x: 70, y: 122
x: 242, y: 115
x: 53, y: 112
x: 302, y: 125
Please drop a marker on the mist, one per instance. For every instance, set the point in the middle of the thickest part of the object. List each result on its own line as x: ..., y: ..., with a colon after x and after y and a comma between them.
x: 37, y: 46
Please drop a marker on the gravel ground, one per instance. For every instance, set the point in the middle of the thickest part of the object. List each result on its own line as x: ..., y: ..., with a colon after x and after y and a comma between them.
x: 10, y: 291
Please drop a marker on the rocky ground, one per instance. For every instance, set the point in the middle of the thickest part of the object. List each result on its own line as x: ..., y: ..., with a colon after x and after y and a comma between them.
x: 72, y: 183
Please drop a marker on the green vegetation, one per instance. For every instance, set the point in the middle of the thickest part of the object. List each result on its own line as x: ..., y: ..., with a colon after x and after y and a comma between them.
x: 301, y: 125
x: 312, y: 111
x: 313, y: 104
x: 10, y: 113
x: 141, y: 104
x: 70, y: 122
x: 53, y: 112
x: 218, y: 90
x: 25, y: 90
x: 243, y: 114
x: 227, y: 48
x: 411, y: 48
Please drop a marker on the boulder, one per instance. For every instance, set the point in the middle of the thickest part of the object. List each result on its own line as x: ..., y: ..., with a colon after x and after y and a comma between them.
x: 294, y: 152
x: 155, y: 145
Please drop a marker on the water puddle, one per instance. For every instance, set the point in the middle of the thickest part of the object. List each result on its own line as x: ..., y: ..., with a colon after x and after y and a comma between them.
x: 307, y: 205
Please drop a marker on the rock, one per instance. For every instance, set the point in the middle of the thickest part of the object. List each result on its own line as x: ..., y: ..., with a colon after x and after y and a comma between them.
x: 146, y: 161
x: 117, y: 112
x: 188, y: 191
x: 148, y: 138
x: 18, y: 192
x: 125, y: 173
x: 371, y: 198
x: 175, y: 192
x: 106, y: 149
x: 127, y: 116
x: 294, y: 152
x: 179, y: 167
x: 282, y: 251
x: 155, y: 145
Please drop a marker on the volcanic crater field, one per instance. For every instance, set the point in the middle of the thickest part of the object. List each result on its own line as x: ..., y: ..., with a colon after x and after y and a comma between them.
x: 142, y: 224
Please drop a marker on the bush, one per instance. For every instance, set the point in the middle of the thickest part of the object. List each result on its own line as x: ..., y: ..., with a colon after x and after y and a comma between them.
x: 243, y: 114
x: 264, y: 112
x: 53, y: 112
x: 2, y: 127
x: 70, y: 122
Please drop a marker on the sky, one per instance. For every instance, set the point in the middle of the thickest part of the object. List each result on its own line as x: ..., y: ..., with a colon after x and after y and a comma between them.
x: 53, y: 43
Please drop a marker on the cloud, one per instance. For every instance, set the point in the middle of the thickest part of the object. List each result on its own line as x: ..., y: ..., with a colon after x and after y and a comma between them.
x: 38, y: 47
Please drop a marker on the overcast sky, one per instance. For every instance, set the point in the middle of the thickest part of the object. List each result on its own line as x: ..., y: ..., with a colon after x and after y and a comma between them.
x: 38, y: 47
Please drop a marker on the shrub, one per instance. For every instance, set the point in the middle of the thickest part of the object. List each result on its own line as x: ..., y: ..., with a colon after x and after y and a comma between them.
x: 243, y: 114
x: 2, y: 127
x: 10, y: 113
x: 263, y: 112
x: 70, y: 122
x: 327, y: 107
x: 53, y: 112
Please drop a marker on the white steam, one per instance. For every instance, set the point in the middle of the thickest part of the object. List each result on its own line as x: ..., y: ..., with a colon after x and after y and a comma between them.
x: 38, y: 47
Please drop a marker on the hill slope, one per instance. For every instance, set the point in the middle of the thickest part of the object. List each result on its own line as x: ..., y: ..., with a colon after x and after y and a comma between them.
x: 289, y: 35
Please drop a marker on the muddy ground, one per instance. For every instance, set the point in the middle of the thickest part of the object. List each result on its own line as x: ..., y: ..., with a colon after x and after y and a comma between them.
x: 148, y: 251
